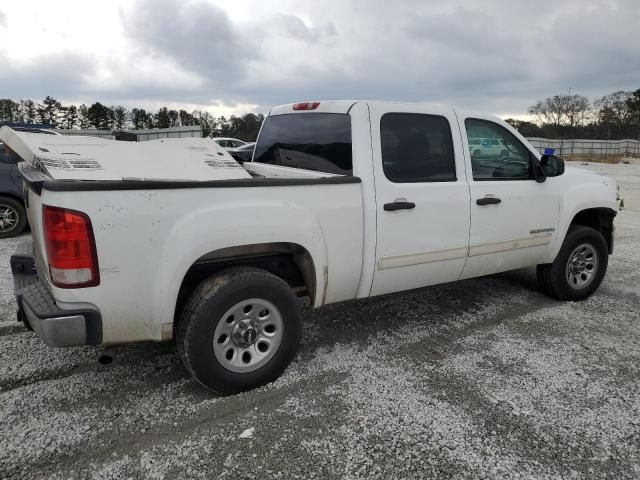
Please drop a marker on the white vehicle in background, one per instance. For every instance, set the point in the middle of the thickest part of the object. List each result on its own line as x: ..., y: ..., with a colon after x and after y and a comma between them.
x: 488, y: 147
x: 342, y: 200
x: 228, y: 143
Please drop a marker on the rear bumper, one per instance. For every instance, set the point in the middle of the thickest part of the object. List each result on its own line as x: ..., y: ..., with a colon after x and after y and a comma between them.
x: 37, y: 307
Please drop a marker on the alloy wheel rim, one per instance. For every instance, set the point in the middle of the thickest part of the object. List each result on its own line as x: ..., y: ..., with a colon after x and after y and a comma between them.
x: 582, y: 266
x: 248, y: 335
x: 8, y: 218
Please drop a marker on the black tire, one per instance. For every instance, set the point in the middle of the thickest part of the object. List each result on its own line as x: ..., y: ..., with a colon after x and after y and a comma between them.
x: 553, y: 277
x: 206, y: 308
x: 14, y: 210
x: 477, y: 153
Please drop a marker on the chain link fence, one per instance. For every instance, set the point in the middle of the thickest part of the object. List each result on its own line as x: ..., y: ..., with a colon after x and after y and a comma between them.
x: 596, y: 150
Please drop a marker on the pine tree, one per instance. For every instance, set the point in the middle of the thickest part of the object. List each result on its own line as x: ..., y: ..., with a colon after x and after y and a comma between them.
x: 29, y: 111
x: 70, y: 116
x: 83, y: 116
x: 49, y: 111
x: 162, y: 118
x: 119, y: 116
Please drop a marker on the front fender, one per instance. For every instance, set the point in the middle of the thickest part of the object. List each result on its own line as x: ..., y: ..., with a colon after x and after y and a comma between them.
x: 210, y: 228
x: 597, y: 192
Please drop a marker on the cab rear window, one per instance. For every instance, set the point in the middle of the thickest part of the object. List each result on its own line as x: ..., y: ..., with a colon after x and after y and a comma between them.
x: 312, y: 141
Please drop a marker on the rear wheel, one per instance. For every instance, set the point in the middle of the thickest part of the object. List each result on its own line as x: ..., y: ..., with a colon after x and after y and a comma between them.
x: 13, y: 217
x: 579, y: 268
x: 239, y: 330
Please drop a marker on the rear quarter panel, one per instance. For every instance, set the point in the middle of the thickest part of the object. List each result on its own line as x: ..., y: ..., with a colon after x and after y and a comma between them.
x: 147, y: 240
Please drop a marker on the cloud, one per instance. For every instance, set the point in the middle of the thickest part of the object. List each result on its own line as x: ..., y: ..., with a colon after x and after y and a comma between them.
x: 196, y: 35
x: 296, y: 28
x: 3, y: 19
x: 62, y: 74
x: 494, y: 55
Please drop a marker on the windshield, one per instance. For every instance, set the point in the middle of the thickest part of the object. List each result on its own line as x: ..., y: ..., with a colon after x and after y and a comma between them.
x: 312, y: 141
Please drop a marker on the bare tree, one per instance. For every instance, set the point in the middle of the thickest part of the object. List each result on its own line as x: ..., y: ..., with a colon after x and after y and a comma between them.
x: 562, y: 111
x: 614, y: 110
x: 577, y: 109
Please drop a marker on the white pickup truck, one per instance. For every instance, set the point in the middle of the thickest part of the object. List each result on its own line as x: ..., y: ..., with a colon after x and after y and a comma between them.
x: 343, y: 200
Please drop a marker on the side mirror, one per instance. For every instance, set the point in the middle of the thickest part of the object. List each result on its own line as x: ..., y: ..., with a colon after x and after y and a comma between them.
x: 551, y: 165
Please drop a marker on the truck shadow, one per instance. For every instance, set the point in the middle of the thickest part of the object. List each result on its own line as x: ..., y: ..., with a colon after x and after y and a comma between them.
x: 354, y: 322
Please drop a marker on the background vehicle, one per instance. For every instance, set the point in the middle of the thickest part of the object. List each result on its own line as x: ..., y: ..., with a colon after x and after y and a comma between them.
x: 13, y: 216
x: 488, y: 147
x: 229, y: 143
x: 388, y: 199
x: 243, y: 153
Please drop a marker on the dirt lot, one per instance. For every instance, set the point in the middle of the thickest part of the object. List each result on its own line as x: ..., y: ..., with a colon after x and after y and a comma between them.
x: 482, y: 379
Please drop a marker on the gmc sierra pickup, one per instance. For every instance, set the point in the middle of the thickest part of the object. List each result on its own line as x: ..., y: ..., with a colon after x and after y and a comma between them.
x: 176, y: 241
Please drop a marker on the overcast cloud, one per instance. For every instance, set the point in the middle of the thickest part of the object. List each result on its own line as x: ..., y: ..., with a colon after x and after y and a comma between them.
x: 494, y: 55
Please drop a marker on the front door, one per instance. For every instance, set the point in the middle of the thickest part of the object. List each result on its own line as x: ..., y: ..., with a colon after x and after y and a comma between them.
x: 422, y: 197
x: 513, y: 218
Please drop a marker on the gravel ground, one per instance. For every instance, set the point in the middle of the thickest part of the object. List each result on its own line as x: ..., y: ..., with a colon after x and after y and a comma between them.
x: 481, y: 379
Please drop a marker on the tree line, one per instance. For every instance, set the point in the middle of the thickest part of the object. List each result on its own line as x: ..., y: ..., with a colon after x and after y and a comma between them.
x: 612, y: 117
x: 53, y: 113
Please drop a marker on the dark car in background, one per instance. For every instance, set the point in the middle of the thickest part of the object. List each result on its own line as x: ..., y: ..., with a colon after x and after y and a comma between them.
x: 13, y: 217
x: 243, y: 153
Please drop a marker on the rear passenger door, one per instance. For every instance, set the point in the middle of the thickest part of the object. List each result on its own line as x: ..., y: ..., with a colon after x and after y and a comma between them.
x: 422, y: 197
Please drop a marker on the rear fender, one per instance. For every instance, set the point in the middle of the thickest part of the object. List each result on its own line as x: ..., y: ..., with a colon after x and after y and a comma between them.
x: 238, y: 225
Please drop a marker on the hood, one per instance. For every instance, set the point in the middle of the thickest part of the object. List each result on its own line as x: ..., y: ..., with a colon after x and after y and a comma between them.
x: 91, y: 158
x: 579, y: 171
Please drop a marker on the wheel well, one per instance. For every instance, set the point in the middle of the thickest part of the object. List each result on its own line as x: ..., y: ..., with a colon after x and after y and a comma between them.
x: 289, y: 261
x: 600, y: 219
x: 13, y: 196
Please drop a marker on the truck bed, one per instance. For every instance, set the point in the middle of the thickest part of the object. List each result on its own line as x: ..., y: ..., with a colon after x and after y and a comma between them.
x: 149, y: 233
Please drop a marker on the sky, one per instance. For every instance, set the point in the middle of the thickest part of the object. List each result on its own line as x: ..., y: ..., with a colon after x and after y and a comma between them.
x: 237, y: 56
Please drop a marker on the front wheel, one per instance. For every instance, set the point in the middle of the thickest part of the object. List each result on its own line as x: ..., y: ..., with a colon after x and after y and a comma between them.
x: 579, y: 268
x: 239, y: 330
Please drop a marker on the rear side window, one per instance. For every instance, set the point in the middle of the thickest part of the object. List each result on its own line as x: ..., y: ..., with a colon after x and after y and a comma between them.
x: 417, y: 148
x: 313, y: 141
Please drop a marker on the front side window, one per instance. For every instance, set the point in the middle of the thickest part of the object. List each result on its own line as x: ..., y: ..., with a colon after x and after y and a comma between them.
x: 496, y: 154
x: 313, y: 141
x: 417, y: 148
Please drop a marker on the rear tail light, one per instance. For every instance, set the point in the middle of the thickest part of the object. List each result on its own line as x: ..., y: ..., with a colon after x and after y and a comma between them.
x: 306, y: 106
x: 71, y: 248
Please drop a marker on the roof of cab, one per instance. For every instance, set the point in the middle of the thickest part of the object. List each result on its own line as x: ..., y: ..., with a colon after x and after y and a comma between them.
x: 343, y: 106
x: 325, y: 106
x: 337, y: 106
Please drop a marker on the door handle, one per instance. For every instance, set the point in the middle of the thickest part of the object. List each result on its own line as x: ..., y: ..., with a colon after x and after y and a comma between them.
x: 488, y: 201
x: 398, y: 205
